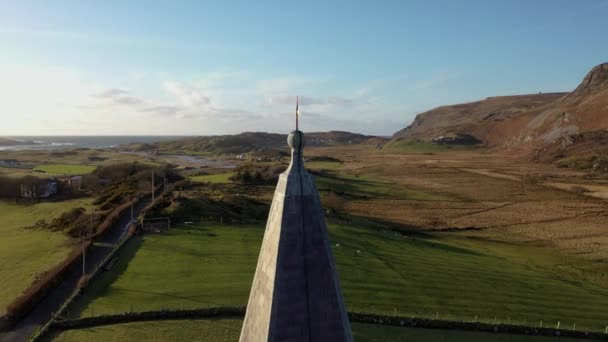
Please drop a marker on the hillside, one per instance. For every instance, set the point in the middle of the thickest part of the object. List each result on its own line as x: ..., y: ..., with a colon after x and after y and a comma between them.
x: 587, y: 150
x: 476, y: 121
x: 12, y: 142
x: 524, y: 124
x: 248, y: 142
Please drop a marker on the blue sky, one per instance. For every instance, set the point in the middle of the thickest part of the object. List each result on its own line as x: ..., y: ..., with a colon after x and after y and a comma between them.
x: 198, y: 67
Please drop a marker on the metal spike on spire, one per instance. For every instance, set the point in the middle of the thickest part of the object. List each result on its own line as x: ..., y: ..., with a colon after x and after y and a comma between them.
x: 297, y: 111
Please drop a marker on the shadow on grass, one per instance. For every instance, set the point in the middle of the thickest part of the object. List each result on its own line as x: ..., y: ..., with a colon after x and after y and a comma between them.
x: 101, y: 283
x: 415, y: 235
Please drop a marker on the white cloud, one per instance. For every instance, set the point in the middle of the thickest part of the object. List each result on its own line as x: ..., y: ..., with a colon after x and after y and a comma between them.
x: 305, y: 100
x: 119, y: 97
x: 57, y: 101
x: 188, y: 96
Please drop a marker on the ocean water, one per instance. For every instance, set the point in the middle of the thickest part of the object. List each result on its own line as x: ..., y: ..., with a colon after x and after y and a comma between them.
x: 72, y: 141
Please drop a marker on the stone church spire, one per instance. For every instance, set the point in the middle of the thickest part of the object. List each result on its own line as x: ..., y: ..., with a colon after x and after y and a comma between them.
x: 296, y: 295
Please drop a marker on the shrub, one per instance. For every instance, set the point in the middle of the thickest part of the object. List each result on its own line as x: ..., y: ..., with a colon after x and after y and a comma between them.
x: 83, y: 281
x: 578, y: 189
x: 323, y: 159
x: 10, y: 187
x: 253, y: 174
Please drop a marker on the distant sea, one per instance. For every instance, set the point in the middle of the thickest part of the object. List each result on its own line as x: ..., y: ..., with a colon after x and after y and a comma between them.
x: 74, y: 141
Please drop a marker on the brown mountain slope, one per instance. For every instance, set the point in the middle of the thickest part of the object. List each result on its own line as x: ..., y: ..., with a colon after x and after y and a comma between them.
x: 587, y: 150
x: 523, y: 123
x: 478, y: 119
x: 583, y: 110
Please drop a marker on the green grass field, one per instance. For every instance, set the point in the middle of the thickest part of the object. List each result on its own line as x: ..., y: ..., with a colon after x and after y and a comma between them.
x: 26, y: 252
x: 381, y: 333
x: 364, y: 185
x: 188, y: 267
x: 323, y: 165
x: 216, y: 178
x: 445, y: 275
x: 65, y: 169
x: 228, y: 330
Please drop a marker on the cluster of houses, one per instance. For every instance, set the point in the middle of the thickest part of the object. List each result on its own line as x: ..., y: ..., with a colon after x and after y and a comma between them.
x: 12, y: 163
x: 45, y: 188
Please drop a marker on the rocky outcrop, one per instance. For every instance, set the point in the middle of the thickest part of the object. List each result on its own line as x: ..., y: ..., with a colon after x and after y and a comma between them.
x: 595, y: 81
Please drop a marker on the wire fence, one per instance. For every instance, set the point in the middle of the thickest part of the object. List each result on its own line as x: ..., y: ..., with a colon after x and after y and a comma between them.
x: 172, y: 303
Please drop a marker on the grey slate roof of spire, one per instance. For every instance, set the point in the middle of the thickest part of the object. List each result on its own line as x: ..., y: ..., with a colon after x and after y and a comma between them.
x: 296, y: 295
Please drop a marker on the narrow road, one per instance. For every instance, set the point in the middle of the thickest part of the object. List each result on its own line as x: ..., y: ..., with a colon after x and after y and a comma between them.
x: 51, y: 303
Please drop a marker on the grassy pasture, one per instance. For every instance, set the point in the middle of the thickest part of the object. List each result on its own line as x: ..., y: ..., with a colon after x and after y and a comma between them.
x: 188, y: 267
x: 18, y: 172
x: 324, y: 165
x: 380, y: 333
x: 445, y: 275
x: 364, y: 185
x: 65, y: 169
x: 422, y: 147
x: 215, y: 178
x: 228, y: 330
x: 79, y: 156
x: 26, y: 252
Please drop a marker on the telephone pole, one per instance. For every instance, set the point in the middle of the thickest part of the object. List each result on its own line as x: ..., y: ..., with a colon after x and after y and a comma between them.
x: 84, y: 259
x: 84, y: 250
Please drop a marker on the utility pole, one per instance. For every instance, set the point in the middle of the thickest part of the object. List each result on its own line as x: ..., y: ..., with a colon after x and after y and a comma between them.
x: 152, y: 186
x: 84, y: 259
x: 84, y: 250
x: 297, y: 111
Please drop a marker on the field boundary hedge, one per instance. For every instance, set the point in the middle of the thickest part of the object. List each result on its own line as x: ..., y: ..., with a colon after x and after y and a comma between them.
x: 357, y: 317
x: 32, y: 295
x: 66, y: 304
x: 120, y: 210
x: 28, y: 299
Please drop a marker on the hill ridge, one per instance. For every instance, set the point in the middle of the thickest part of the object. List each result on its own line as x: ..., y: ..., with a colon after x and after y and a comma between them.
x: 519, y: 122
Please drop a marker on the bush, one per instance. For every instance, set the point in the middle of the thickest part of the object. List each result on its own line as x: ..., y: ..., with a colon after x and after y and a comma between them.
x: 323, y: 159
x: 578, y: 189
x: 229, y: 208
x: 258, y: 175
x: 334, y: 201
x: 10, y: 187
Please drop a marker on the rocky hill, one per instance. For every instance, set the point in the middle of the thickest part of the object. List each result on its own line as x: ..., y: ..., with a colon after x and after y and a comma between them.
x: 475, y: 121
x: 248, y: 142
x: 583, y: 110
x: 553, y: 123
